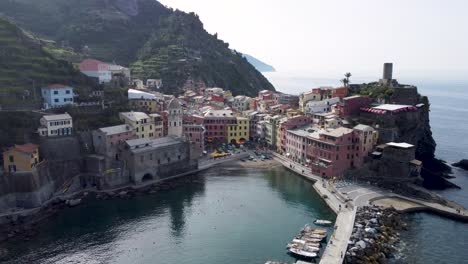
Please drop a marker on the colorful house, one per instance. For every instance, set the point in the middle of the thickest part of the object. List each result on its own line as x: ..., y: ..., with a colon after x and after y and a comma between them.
x: 57, y: 95
x: 216, y: 122
x: 140, y: 122
x: 96, y: 69
x: 56, y: 125
x: 21, y: 158
x: 350, y: 106
x: 239, y: 133
x: 108, y: 141
x: 195, y: 135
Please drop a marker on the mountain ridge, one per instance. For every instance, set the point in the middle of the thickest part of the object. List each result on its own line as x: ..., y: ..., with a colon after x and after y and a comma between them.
x: 153, y: 40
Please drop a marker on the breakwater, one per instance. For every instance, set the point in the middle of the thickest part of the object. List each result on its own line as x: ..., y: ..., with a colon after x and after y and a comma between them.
x: 375, y: 234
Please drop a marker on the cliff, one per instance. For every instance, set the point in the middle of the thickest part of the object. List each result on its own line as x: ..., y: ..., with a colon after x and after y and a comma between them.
x: 153, y: 40
x: 409, y: 127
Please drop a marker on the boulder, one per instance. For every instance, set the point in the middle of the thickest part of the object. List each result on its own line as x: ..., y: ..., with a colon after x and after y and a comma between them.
x: 361, y: 244
x: 463, y: 164
x: 73, y: 202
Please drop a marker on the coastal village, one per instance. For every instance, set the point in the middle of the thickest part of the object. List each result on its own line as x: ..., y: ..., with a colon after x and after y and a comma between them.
x: 329, y: 133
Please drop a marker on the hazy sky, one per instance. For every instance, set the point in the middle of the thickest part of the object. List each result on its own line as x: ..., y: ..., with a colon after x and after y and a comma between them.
x: 329, y: 37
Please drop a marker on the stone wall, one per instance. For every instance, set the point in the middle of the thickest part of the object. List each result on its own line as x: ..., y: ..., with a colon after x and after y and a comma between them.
x: 176, y: 168
x: 405, y: 96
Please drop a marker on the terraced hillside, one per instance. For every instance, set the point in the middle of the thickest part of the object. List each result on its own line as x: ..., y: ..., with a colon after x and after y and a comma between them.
x: 25, y: 66
x: 154, y: 40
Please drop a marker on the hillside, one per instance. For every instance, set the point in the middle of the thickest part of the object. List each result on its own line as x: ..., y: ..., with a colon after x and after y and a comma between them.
x: 258, y: 64
x: 25, y: 64
x: 155, y: 41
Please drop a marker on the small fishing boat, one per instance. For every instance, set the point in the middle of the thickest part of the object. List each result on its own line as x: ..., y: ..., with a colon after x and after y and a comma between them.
x: 298, y: 241
x: 314, y: 236
x: 319, y: 232
x: 311, y: 249
x: 313, y: 240
x: 302, y: 253
x: 299, y: 245
x: 322, y: 222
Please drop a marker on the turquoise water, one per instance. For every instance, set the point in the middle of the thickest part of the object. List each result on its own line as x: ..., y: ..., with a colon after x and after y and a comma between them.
x: 430, y: 238
x: 229, y: 216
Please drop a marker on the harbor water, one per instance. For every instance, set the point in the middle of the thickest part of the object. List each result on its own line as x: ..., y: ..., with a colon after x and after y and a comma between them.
x: 227, y: 216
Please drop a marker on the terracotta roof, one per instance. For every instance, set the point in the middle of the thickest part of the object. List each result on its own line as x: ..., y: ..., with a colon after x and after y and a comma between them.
x: 90, y: 65
x: 26, y: 148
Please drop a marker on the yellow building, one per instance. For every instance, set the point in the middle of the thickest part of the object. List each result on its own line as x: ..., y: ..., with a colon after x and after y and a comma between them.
x: 140, y: 122
x: 238, y: 133
x: 21, y: 158
x: 146, y: 105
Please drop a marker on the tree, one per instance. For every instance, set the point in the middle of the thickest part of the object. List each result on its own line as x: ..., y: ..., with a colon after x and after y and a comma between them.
x: 345, y: 82
x: 347, y: 76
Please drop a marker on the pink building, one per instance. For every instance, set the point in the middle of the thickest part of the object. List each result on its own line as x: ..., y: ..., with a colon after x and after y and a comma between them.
x: 350, y: 106
x: 330, y: 152
x: 195, y: 134
x: 288, y: 124
x: 108, y: 141
x: 266, y: 95
x: 296, y: 145
x: 216, y: 122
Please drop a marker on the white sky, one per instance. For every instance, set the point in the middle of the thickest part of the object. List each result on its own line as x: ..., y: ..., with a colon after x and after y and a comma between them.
x: 330, y: 37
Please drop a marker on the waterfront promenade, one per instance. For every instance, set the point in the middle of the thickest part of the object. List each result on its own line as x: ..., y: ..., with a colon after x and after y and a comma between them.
x: 351, y: 196
x: 338, y: 242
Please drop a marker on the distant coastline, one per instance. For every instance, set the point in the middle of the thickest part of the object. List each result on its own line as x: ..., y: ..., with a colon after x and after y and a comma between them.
x: 258, y: 64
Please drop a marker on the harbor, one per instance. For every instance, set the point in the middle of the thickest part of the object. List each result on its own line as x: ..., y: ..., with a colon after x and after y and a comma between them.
x: 346, y: 199
x: 259, y: 210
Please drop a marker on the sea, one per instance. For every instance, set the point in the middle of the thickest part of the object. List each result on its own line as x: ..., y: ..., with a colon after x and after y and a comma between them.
x: 430, y: 238
x: 235, y: 215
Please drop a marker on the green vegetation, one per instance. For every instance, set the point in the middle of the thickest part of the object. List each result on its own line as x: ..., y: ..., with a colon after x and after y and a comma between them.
x: 375, y: 90
x: 155, y: 41
x: 26, y: 66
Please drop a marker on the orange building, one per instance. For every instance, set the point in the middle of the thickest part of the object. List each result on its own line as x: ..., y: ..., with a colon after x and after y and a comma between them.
x: 21, y: 158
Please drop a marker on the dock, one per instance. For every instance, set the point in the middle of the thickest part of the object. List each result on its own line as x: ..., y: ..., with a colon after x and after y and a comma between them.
x: 338, y: 242
x: 355, y: 195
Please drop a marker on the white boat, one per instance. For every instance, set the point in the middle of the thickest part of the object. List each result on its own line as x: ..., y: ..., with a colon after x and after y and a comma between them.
x: 314, y: 236
x: 311, y: 249
x: 313, y: 240
x: 302, y: 253
x: 298, y: 241
x: 319, y: 232
x: 322, y: 222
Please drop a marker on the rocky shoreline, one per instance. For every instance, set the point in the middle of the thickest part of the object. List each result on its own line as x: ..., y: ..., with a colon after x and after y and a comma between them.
x: 25, y: 227
x: 375, y: 235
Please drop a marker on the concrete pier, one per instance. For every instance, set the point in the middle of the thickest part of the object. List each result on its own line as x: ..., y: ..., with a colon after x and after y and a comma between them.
x: 355, y: 195
x: 338, y: 242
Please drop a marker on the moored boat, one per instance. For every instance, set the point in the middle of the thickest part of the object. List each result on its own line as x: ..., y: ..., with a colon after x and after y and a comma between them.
x: 322, y: 222
x: 302, y: 253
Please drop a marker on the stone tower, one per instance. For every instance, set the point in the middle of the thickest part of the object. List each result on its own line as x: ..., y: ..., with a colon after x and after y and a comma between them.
x: 174, y: 118
x: 387, y: 71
